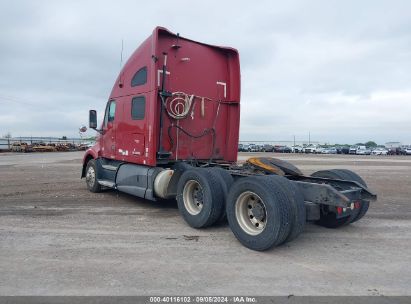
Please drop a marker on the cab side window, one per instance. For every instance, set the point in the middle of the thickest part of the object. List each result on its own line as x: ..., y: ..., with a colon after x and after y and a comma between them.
x: 138, y: 108
x: 110, y: 112
x: 140, y: 77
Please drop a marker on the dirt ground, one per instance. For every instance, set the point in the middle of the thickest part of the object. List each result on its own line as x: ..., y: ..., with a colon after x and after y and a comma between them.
x: 56, y: 238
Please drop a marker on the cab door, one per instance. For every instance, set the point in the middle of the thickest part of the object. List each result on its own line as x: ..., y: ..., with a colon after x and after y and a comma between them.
x: 138, y: 113
x: 133, y: 130
x: 109, y: 131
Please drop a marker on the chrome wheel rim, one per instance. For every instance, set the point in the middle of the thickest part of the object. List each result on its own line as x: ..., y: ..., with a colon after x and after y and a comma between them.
x: 193, y: 197
x: 91, y: 177
x: 251, y: 213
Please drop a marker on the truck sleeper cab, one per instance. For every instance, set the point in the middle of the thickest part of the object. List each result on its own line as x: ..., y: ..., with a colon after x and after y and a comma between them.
x: 171, y: 130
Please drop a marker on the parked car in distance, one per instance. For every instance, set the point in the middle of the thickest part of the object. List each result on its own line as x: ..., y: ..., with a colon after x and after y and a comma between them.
x: 329, y: 150
x: 360, y: 150
x: 310, y: 149
x: 244, y: 148
x: 268, y: 148
x: 282, y: 149
x: 363, y: 150
x: 297, y: 149
x: 407, y: 151
x: 344, y: 150
x: 260, y: 148
x: 353, y: 150
x: 402, y: 151
x: 253, y: 148
x: 396, y: 151
x: 249, y: 148
x: 379, y: 151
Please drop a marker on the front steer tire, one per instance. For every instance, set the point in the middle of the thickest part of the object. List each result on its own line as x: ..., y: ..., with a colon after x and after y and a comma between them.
x: 200, y: 197
x: 91, y: 177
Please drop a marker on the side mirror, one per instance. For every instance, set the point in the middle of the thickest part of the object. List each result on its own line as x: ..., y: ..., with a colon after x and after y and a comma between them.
x: 92, y: 119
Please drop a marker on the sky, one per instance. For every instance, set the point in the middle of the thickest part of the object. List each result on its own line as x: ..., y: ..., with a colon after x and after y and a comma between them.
x: 339, y: 70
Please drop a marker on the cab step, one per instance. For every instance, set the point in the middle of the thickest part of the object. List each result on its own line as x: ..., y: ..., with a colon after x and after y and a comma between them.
x: 107, y: 183
x: 110, y: 167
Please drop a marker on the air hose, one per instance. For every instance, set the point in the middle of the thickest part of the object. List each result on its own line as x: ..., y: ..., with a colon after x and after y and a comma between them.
x: 180, y: 105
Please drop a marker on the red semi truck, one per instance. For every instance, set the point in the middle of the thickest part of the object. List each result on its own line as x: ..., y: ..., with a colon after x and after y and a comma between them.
x: 171, y: 130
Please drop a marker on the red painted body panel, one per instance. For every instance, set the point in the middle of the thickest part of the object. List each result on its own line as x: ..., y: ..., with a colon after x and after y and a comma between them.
x: 192, y: 68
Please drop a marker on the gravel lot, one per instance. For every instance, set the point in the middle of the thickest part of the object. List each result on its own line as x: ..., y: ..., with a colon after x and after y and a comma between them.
x: 56, y: 238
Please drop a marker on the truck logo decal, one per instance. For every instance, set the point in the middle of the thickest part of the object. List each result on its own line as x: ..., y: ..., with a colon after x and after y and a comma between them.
x: 123, y: 152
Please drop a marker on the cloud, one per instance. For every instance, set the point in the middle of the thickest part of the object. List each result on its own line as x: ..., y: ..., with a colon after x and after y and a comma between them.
x: 337, y: 69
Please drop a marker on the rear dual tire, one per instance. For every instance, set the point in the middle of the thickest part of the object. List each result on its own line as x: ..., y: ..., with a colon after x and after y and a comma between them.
x: 262, y: 212
x: 201, y: 196
x: 265, y: 211
x: 226, y: 181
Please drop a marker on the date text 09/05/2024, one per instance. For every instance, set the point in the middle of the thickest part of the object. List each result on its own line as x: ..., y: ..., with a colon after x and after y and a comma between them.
x: 199, y: 299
